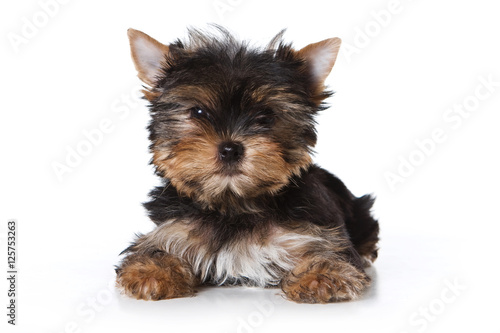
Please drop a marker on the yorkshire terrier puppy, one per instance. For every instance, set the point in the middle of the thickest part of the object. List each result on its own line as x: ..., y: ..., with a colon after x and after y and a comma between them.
x: 241, y: 202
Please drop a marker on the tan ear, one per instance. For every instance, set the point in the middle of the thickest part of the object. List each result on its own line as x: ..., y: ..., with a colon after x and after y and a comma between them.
x: 148, y: 55
x: 320, y: 57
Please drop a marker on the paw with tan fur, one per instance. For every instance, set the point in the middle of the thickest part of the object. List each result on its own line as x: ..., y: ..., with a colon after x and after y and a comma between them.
x: 155, y: 277
x: 324, y: 283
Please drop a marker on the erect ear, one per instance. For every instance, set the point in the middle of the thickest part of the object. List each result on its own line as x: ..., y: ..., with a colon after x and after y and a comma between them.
x: 320, y: 57
x: 148, y: 55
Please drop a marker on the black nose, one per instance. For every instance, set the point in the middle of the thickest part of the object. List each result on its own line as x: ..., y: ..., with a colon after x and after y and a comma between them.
x: 230, y: 152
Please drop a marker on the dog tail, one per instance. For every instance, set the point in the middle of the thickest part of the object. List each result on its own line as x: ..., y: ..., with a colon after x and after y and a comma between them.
x: 363, y: 228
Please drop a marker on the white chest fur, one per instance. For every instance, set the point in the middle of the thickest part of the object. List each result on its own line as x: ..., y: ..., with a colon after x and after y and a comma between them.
x: 246, y: 261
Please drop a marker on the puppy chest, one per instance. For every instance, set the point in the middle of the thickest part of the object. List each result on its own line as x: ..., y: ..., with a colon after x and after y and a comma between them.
x: 250, y: 262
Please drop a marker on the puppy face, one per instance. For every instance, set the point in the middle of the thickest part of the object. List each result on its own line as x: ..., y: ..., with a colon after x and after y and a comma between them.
x: 230, y: 121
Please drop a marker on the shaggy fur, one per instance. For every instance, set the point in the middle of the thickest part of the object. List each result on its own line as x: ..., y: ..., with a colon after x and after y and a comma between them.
x: 231, y: 135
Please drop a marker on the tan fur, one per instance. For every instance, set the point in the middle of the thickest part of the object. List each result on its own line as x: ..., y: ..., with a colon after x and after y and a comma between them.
x: 320, y: 280
x: 151, y: 94
x: 261, y: 259
x: 191, y: 96
x: 142, y: 46
x: 227, y: 168
x: 321, y: 57
x: 194, y: 160
x: 155, y: 277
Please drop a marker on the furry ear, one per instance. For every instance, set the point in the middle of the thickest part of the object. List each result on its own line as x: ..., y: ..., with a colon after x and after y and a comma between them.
x: 320, y: 57
x: 148, y: 55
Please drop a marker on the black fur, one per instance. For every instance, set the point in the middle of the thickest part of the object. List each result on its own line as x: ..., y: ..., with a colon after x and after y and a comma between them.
x: 213, y: 89
x: 233, y: 71
x: 315, y: 196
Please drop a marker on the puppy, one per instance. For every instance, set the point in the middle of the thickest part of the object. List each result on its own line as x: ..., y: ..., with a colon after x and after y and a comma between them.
x: 232, y: 131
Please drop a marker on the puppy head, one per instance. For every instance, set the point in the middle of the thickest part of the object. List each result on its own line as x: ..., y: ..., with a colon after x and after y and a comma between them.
x: 228, y: 120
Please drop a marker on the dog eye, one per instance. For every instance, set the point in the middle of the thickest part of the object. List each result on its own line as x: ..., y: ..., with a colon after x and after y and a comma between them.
x: 197, y: 112
x: 266, y: 118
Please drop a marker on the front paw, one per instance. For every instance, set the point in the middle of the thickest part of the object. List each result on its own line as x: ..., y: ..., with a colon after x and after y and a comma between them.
x: 325, y: 283
x: 155, y: 277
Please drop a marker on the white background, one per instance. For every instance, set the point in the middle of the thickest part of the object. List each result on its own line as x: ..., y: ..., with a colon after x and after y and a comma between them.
x: 393, y: 87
